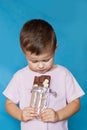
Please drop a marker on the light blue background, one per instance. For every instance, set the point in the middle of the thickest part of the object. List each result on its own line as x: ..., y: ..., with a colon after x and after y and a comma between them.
x: 69, y: 19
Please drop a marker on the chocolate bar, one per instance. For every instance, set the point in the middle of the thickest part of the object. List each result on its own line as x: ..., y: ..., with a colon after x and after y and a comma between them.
x: 42, y: 81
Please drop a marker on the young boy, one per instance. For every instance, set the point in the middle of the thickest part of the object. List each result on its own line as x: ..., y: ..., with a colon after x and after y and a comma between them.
x: 38, y: 42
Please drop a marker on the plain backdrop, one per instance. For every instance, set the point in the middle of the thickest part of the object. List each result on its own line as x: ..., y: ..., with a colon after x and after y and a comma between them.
x: 69, y: 19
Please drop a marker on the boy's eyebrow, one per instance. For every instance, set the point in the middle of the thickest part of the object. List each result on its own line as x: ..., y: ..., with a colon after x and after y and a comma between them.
x: 45, y: 58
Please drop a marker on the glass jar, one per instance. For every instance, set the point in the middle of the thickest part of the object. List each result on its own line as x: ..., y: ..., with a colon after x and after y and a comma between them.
x: 39, y: 98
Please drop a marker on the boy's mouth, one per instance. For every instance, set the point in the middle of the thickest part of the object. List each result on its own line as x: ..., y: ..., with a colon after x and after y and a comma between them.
x: 42, y: 71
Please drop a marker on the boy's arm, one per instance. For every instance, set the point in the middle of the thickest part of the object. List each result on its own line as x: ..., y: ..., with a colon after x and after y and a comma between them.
x: 69, y: 110
x: 13, y: 109
x: 50, y: 115
x: 26, y: 114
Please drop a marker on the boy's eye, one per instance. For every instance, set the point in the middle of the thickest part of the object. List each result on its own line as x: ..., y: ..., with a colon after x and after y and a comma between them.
x: 42, y: 61
x: 34, y: 61
x: 45, y: 60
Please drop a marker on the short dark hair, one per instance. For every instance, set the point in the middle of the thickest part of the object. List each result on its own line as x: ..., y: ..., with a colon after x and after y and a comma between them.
x: 36, y: 36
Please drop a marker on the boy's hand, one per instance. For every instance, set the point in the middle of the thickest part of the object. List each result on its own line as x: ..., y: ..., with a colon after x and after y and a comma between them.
x: 28, y: 113
x: 49, y: 115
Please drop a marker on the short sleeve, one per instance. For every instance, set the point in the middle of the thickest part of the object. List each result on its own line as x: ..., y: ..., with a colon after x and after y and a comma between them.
x: 73, y: 89
x: 12, y: 90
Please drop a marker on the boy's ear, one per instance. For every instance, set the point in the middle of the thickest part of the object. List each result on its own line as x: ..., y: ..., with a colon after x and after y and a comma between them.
x: 56, y: 47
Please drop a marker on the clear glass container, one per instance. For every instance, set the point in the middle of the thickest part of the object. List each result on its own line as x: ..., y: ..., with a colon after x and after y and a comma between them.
x: 39, y: 98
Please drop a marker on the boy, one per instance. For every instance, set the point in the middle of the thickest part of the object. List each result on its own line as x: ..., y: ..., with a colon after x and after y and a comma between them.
x: 38, y: 42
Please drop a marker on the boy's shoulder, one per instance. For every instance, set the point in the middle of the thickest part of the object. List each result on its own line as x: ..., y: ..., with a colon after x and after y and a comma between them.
x: 61, y: 71
x: 22, y: 71
x: 61, y: 68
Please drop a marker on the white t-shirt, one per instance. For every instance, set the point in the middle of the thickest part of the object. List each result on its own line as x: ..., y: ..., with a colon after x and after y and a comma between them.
x: 62, y: 82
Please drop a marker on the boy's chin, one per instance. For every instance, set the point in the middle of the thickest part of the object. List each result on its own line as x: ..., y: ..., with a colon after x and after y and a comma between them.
x: 41, y: 72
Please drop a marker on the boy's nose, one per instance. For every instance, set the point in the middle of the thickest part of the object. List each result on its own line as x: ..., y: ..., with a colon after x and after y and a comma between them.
x: 41, y: 65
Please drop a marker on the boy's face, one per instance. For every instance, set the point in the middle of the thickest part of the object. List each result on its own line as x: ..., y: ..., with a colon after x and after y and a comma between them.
x: 40, y: 63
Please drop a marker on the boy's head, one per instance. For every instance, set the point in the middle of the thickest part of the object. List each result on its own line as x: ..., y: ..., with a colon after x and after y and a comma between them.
x: 38, y: 36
